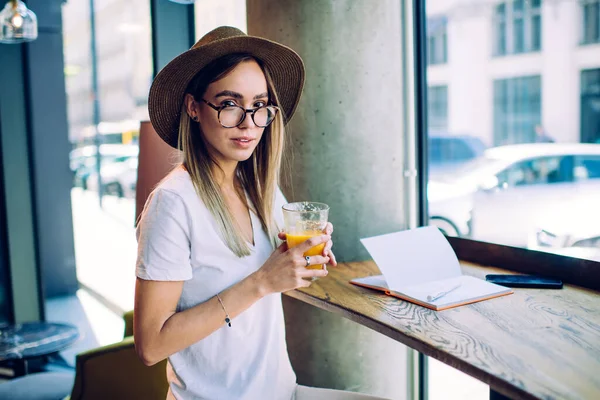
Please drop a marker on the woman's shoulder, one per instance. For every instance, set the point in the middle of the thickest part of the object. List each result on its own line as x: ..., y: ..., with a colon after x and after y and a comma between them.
x: 178, y: 182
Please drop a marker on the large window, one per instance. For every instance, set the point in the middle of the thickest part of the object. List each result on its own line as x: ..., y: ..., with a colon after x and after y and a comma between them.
x: 437, y: 41
x: 517, y: 27
x: 510, y: 167
x: 517, y: 109
x: 437, y: 100
x: 108, y: 73
x: 590, y: 12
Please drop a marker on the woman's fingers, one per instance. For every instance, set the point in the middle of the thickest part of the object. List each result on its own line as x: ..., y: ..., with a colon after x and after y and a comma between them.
x: 328, y: 229
x: 317, y: 273
x: 281, y: 236
x: 310, y: 243
x: 332, y: 259
x: 316, y: 260
x: 327, y: 247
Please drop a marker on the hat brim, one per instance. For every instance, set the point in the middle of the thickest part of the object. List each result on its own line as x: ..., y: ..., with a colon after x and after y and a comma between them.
x: 168, y: 88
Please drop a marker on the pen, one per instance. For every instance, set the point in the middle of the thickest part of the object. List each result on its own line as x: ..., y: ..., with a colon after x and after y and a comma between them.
x: 442, y: 294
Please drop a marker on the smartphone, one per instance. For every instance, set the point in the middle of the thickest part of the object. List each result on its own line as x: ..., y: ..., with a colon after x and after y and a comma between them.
x: 525, y: 281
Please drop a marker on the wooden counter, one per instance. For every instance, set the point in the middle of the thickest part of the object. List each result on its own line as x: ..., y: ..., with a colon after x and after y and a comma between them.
x: 533, y: 344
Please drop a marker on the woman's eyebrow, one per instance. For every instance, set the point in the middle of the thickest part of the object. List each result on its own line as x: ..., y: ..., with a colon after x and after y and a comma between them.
x: 229, y: 93
x: 236, y: 95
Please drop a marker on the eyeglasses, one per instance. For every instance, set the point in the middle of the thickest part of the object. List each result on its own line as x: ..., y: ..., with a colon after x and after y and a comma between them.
x: 232, y: 116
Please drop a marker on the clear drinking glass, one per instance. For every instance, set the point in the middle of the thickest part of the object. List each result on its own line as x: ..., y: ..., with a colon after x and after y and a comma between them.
x: 304, y: 220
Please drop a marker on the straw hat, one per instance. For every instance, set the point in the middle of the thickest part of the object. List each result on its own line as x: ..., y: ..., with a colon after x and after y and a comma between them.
x: 168, y: 89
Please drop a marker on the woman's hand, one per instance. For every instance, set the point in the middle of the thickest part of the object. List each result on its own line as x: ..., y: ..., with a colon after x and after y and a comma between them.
x: 286, y: 268
x: 327, y: 250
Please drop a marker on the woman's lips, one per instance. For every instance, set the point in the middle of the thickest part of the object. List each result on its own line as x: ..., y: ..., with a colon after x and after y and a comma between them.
x: 243, y: 142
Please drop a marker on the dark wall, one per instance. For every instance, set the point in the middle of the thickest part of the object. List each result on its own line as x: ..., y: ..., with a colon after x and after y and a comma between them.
x: 51, y: 176
x: 36, y: 230
x: 5, y: 292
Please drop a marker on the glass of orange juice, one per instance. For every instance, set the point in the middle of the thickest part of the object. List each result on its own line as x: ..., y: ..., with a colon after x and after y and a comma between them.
x: 304, y: 220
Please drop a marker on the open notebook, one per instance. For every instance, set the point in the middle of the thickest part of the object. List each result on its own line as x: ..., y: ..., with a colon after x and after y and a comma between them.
x: 420, y: 266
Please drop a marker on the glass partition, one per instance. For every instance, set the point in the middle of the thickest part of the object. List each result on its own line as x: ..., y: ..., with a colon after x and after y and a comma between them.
x: 108, y: 74
x: 514, y: 132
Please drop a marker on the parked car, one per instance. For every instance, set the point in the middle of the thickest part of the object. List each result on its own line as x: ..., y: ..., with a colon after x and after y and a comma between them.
x: 574, y: 232
x: 118, y: 179
x: 448, y: 152
x: 83, y: 160
x: 450, y: 208
x: 450, y: 205
x: 511, y: 188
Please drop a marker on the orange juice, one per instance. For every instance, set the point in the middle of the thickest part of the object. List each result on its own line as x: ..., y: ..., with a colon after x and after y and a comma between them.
x: 295, y: 239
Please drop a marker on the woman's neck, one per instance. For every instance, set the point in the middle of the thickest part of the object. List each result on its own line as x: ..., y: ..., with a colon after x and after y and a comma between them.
x: 225, y: 175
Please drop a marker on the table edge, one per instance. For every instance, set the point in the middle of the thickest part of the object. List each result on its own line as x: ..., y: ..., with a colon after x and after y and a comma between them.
x: 496, y: 383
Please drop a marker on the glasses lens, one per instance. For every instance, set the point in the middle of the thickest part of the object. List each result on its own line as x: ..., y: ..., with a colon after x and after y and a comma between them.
x: 264, y: 116
x: 231, y: 116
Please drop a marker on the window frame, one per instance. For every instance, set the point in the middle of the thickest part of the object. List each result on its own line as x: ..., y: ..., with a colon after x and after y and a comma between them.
x: 512, y: 88
x: 583, y: 41
x: 438, y: 95
x: 505, y: 25
x: 440, y: 38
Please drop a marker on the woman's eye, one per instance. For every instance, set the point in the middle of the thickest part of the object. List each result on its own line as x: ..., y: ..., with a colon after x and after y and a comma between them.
x: 228, y: 103
x: 259, y: 104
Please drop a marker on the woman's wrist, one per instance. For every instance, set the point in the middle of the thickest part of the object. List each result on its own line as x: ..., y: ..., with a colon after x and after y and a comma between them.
x: 259, y: 283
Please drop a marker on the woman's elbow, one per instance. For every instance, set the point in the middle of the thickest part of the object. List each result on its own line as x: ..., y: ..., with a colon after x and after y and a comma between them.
x: 146, y: 353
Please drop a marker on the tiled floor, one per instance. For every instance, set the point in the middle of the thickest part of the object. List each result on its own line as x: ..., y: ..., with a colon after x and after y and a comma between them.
x: 98, y: 326
x: 105, y: 246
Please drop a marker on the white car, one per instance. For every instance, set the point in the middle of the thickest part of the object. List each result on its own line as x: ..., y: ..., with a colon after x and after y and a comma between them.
x: 512, y: 188
x: 118, y: 179
x: 574, y: 232
x: 450, y: 208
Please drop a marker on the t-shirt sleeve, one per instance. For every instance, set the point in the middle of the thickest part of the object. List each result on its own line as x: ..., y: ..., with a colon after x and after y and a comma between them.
x: 163, y: 235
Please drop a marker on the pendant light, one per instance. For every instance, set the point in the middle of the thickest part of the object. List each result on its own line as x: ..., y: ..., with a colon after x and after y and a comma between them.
x: 18, y: 24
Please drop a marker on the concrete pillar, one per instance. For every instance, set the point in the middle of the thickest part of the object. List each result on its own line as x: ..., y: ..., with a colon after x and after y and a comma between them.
x: 347, y: 152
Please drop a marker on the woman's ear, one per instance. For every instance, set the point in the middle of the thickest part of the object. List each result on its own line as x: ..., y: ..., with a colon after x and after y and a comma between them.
x: 191, y: 107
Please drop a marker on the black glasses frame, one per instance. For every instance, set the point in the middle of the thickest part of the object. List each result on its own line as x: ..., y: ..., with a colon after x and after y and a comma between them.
x: 252, y: 112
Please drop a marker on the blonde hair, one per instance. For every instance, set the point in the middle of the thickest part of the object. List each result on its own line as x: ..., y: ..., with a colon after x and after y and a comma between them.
x: 258, y: 175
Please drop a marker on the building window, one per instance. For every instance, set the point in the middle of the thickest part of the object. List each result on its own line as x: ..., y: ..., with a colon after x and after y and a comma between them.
x: 517, y: 109
x: 517, y: 27
x: 437, y: 112
x: 437, y: 41
x: 590, y: 12
x: 590, y: 106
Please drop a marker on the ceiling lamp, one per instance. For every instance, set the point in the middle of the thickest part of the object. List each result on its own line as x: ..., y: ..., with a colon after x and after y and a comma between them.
x: 18, y: 24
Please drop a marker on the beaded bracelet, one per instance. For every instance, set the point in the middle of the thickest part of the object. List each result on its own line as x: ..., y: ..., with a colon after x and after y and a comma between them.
x: 227, y: 319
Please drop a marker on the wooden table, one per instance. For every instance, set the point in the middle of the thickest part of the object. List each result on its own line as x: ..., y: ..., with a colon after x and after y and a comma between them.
x: 533, y: 344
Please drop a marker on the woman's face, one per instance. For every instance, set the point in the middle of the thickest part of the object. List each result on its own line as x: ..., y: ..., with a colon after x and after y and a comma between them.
x: 244, y: 86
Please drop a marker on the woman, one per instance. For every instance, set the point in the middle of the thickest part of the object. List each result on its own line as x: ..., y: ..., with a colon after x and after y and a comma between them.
x: 210, y: 270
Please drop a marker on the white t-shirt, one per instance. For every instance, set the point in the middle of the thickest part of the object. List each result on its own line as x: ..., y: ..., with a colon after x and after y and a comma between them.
x: 178, y: 241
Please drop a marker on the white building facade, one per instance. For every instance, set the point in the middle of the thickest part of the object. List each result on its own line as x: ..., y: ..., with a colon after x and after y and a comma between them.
x: 498, y: 69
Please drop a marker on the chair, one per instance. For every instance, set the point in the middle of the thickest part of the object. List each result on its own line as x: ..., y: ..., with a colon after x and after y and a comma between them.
x: 116, y: 372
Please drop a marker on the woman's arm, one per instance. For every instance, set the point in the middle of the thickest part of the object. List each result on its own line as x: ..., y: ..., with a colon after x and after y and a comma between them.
x: 160, y: 331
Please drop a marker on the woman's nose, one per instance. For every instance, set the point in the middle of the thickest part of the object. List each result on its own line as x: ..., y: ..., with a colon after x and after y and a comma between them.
x: 248, y: 122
